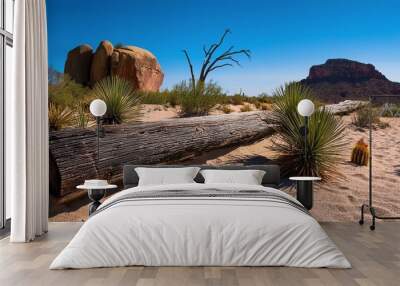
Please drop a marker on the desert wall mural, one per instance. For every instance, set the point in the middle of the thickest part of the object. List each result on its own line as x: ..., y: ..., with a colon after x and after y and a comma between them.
x: 155, y: 117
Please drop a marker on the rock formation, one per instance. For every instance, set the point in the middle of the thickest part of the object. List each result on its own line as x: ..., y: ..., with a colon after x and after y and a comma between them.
x: 134, y: 64
x: 139, y: 66
x: 101, y: 62
x: 341, y: 79
x: 78, y: 64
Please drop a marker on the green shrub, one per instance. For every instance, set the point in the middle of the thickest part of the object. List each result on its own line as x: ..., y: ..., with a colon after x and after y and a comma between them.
x: 59, y: 117
x: 236, y: 99
x: 265, y: 98
x: 161, y: 98
x: 324, y: 137
x: 123, y: 103
x: 67, y: 92
x: 82, y: 115
x: 172, y: 99
x: 195, y: 105
x: 200, y: 101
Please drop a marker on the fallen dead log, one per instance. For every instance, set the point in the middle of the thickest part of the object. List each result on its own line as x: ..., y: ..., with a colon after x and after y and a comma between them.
x: 73, y: 151
x: 345, y: 107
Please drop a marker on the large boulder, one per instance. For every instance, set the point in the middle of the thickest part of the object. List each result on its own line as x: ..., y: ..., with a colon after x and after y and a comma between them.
x: 341, y: 79
x: 139, y: 66
x: 78, y: 64
x: 101, y: 62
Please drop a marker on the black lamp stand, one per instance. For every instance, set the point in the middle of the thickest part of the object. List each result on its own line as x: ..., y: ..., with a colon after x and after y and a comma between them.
x: 369, y: 206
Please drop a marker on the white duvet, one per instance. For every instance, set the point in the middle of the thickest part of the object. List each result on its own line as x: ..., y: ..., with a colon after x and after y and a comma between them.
x: 200, y: 231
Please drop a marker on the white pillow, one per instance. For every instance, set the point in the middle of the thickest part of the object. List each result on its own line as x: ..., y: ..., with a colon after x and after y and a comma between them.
x: 166, y: 176
x: 243, y: 177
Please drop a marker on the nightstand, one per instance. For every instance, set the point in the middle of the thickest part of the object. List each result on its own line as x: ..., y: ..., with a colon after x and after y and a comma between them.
x: 304, y: 186
x: 95, y: 194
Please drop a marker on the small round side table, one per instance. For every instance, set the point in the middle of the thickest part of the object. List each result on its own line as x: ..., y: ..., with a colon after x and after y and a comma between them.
x: 305, y: 190
x: 95, y: 194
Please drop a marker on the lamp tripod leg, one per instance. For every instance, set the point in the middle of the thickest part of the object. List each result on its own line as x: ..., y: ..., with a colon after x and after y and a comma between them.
x: 372, y: 226
x: 361, y: 221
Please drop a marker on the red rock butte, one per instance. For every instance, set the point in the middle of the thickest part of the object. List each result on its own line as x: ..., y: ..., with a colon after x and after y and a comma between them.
x: 340, y: 79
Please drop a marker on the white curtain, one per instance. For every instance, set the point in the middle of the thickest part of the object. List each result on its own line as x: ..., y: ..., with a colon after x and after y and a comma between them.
x: 27, y: 127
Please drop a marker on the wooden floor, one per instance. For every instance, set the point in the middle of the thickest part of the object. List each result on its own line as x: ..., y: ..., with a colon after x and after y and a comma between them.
x: 375, y: 257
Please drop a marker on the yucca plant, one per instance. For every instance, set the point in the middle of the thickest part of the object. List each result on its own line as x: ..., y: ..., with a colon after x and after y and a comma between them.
x: 360, y: 153
x: 59, y: 116
x: 324, y: 135
x: 123, y: 103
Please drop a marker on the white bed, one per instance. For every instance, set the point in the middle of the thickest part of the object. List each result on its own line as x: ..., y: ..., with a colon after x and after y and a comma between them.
x: 186, y: 230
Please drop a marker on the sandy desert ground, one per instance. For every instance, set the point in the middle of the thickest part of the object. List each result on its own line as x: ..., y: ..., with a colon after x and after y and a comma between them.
x: 340, y: 200
x: 335, y: 201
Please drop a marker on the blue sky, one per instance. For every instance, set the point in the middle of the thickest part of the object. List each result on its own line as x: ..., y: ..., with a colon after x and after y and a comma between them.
x: 285, y: 37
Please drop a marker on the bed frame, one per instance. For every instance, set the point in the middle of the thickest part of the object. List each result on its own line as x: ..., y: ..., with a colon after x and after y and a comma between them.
x: 271, y: 178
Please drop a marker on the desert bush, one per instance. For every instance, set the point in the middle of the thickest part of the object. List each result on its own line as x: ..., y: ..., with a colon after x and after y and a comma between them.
x: 324, y: 140
x: 200, y: 101
x: 173, y: 99
x: 265, y: 106
x: 265, y: 98
x: 163, y: 98
x: 246, y: 108
x: 225, y: 108
x: 236, y: 99
x: 258, y: 104
x: 362, y: 116
x: 82, y: 116
x: 66, y: 92
x: 390, y: 110
x: 154, y: 97
x: 360, y: 153
x: 59, y: 116
x: 123, y: 103
x: 195, y: 105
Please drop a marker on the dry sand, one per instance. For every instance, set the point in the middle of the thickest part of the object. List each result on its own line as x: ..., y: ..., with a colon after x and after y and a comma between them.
x: 336, y: 201
x: 341, y: 200
x: 156, y: 112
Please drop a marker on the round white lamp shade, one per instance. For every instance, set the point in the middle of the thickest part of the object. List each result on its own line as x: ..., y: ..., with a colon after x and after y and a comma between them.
x: 98, y: 107
x: 305, y: 107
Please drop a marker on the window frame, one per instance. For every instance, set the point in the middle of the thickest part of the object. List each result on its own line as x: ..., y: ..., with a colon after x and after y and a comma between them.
x: 6, y: 39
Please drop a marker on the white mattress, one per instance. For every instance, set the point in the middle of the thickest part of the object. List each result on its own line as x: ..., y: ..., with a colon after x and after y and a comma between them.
x: 200, y: 231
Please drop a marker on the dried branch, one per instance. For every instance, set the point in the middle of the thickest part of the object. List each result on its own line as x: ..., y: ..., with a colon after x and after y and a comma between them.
x: 226, y: 56
x: 211, y: 63
x: 211, y: 52
x: 191, y: 69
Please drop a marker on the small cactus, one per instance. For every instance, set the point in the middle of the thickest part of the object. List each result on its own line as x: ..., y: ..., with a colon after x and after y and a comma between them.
x: 360, y: 153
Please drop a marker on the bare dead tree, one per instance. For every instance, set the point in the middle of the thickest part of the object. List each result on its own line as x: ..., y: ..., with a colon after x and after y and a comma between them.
x: 212, y: 62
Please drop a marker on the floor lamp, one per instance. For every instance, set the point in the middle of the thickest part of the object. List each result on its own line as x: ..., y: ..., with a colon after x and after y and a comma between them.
x: 98, y: 108
x: 305, y: 182
x: 369, y: 206
x: 305, y: 108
